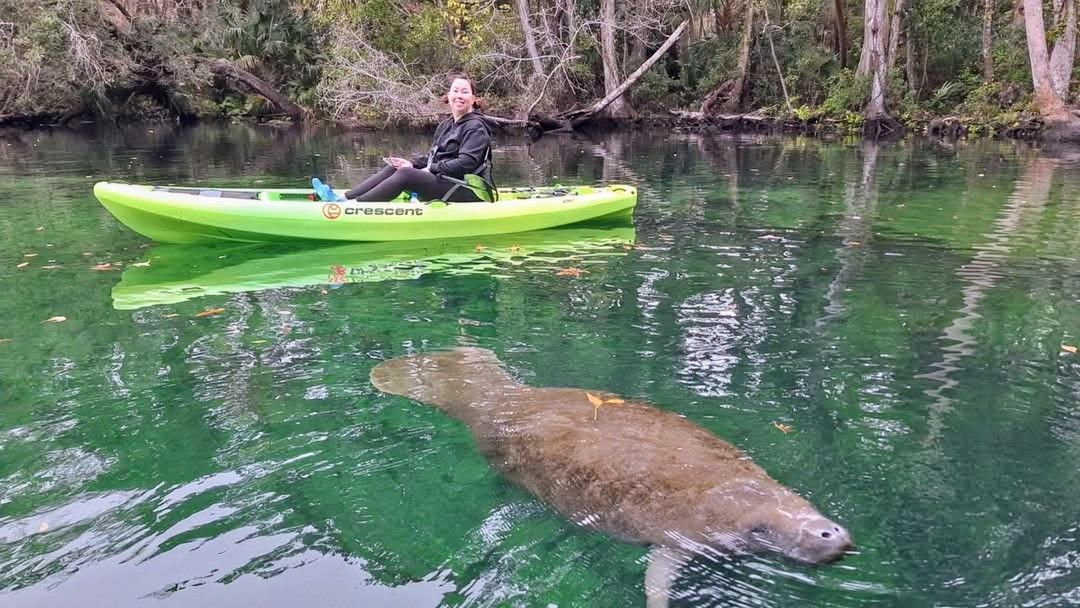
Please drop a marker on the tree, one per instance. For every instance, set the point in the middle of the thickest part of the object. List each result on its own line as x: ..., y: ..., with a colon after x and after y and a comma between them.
x: 876, y: 67
x: 840, y: 31
x: 1061, y: 57
x: 1060, y: 123
x: 618, y: 107
x: 1049, y: 103
x: 987, y: 40
x: 730, y: 93
x: 530, y: 40
x: 894, y: 33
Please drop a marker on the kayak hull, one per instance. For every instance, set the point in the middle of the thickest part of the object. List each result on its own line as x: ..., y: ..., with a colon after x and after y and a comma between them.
x: 176, y: 273
x: 192, y: 215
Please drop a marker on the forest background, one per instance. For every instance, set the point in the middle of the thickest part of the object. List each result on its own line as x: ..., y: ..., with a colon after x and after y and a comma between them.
x: 880, y: 66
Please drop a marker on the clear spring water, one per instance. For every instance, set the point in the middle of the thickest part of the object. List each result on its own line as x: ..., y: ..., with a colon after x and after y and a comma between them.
x: 906, y: 309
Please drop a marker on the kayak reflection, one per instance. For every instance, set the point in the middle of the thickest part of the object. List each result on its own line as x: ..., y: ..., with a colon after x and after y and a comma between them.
x: 177, y: 273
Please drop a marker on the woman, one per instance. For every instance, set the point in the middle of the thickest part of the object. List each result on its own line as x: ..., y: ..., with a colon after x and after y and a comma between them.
x: 462, y: 146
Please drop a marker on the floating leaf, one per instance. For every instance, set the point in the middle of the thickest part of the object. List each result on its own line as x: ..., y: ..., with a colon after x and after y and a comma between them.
x: 209, y: 312
x: 39, y: 228
x: 5, y: 340
x: 570, y: 272
x: 56, y: 319
x: 105, y: 266
x: 29, y: 255
x: 784, y: 428
x: 1068, y: 348
x: 51, y: 266
x: 141, y: 264
x: 23, y: 265
x: 87, y: 253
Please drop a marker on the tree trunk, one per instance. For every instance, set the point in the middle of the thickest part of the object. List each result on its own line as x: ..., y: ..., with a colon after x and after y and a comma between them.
x: 776, y: 62
x: 909, y: 62
x: 988, y: 40
x: 863, y: 69
x: 618, y: 107
x: 894, y: 34
x: 874, y: 53
x: 1049, y: 103
x: 1061, y: 57
x: 530, y: 40
x: 742, y: 70
x: 840, y: 31
x: 570, y: 14
x: 225, y: 68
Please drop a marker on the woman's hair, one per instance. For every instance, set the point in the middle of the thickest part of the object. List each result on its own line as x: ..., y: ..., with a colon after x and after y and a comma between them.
x: 478, y: 103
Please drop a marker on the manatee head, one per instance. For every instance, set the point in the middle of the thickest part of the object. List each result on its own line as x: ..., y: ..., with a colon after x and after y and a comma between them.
x: 796, y: 530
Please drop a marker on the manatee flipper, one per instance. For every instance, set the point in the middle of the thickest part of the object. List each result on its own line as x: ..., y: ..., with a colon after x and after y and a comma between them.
x: 664, y: 564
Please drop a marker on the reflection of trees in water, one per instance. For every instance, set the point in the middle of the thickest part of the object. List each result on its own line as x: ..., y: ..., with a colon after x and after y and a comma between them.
x: 854, y: 230
x: 723, y: 331
x: 978, y: 277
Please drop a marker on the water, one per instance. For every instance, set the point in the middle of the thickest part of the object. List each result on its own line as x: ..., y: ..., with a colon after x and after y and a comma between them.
x: 902, y: 308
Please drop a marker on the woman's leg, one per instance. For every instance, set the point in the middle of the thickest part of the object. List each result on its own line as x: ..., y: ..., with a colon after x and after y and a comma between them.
x: 429, y: 187
x: 371, y: 182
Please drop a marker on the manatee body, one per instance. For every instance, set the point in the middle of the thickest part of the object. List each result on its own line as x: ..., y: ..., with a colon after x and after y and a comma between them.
x: 623, y: 467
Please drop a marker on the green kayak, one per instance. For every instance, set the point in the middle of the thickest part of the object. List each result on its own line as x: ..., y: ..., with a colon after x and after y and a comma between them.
x: 191, y: 215
x: 175, y: 273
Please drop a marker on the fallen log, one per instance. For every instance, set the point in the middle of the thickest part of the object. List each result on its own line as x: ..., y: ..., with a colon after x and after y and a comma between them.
x: 224, y: 67
x: 581, y: 117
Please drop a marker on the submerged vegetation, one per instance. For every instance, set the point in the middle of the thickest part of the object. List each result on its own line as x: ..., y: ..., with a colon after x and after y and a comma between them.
x: 876, y: 65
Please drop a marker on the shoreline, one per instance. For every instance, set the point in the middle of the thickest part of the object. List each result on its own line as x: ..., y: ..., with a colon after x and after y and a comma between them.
x: 1028, y: 129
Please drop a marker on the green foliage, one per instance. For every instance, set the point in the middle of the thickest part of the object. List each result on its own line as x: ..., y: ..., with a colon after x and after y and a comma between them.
x: 656, y: 91
x: 808, y: 78
x: 710, y: 62
x: 271, y: 39
x: 1009, y: 51
x: 57, y: 55
x: 847, y: 93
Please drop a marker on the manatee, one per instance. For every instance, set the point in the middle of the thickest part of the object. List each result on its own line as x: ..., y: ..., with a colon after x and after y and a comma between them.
x: 620, y: 466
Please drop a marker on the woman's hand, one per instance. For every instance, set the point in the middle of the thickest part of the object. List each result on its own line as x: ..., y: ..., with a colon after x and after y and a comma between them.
x: 398, y: 162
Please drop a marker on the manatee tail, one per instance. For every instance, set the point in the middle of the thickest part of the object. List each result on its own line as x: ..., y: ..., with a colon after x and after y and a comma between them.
x: 463, y: 377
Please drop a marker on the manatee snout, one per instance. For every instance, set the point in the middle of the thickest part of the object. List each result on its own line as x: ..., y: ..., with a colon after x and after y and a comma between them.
x: 820, y: 541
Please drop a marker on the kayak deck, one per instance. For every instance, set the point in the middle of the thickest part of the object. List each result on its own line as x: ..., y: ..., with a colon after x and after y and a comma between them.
x: 193, y: 214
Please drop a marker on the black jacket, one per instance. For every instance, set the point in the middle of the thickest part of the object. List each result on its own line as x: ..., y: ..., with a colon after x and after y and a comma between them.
x: 459, y: 148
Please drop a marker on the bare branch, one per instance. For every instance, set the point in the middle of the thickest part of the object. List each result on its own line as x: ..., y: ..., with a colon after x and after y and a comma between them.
x: 369, y: 78
x: 560, y: 66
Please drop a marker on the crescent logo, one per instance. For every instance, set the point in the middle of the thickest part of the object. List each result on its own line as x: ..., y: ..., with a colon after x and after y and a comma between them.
x: 331, y: 211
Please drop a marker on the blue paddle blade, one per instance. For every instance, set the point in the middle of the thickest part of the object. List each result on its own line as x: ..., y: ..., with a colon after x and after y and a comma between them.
x: 324, y: 192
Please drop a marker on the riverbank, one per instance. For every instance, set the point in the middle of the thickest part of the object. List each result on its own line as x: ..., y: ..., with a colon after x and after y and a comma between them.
x: 1025, y: 128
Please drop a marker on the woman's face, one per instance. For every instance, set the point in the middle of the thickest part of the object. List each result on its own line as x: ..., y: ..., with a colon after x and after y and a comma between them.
x: 460, y: 96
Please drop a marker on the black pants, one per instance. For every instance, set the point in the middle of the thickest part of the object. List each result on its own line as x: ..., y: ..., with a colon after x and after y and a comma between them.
x: 389, y: 182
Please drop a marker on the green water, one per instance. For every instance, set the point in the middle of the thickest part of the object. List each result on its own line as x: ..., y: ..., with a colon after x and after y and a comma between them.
x: 901, y: 307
